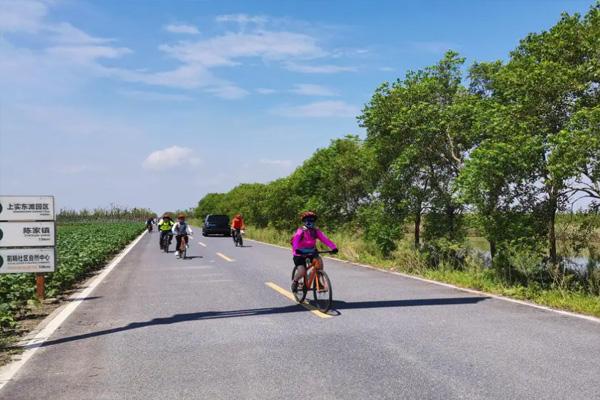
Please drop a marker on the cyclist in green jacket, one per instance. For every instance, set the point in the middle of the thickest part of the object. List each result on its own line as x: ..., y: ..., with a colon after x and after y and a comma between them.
x: 165, y: 224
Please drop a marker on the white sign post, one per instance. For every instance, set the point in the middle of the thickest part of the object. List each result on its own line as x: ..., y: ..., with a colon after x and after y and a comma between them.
x: 28, y: 236
x: 26, y: 208
x: 27, y: 260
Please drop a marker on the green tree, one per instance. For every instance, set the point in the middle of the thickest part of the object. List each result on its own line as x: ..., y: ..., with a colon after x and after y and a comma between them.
x: 212, y: 203
x: 550, y: 77
x: 495, y: 179
x: 418, y: 129
x: 334, y: 181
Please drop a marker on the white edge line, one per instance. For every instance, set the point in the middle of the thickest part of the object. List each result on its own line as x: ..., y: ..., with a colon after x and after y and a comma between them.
x: 448, y: 285
x: 8, y: 371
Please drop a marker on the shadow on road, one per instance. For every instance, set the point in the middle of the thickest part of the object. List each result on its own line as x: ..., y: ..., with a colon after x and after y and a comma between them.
x: 342, y: 305
x: 206, y: 315
x: 84, y: 298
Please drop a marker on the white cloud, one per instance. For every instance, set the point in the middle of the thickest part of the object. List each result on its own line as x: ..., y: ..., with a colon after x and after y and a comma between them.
x: 187, y: 77
x: 225, y: 50
x: 265, y: 91
x: 279, y: 163
x: 183, y: 77
x: 74, y: 45
x: 86, y: 54
x: 319, y: 109
x: 182, y: 28
x: 170, y: 158
x: 71, y: 59
x: 229, y: 92
x: 22, y: 15
x: 65, y: 33
x: 307, y: 89
x: 319, y: 69
x: 67, y: 122
x: 145, y: 95
x: 386, y: 69
x: 76, y: 57
x: 242, y: 19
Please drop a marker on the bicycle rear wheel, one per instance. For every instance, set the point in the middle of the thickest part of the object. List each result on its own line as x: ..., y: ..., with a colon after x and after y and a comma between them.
x: 182, y: 249
x: 300, y: 293
x: 323, y: 294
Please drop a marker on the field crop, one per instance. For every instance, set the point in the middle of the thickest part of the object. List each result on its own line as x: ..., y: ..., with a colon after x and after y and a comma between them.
x: 81, y: 248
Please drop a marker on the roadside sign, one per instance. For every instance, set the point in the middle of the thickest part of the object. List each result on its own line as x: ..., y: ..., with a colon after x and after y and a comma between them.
x: 21, y: 234
x: 26, y: 208
x: 28, y: 237
x: 40, y: 259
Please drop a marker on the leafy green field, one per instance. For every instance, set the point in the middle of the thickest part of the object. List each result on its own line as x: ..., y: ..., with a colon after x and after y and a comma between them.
x: 81, y: 248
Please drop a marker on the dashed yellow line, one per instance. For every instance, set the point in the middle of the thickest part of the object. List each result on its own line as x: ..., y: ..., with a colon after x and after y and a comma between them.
x: 224, y: 257
x: 290, y: 296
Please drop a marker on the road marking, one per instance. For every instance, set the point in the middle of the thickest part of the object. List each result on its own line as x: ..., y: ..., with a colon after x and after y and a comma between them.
x: 448, y: 285
x: 201, y: 244
x: 290, y: 296
x: 54, y: 321
x: 224, y: 257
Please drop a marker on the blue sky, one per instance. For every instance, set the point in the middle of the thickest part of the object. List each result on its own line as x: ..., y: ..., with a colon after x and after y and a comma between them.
x: 156, y: 103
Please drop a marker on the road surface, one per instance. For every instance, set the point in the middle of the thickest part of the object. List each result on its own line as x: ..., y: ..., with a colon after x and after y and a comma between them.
x: 209, y: 327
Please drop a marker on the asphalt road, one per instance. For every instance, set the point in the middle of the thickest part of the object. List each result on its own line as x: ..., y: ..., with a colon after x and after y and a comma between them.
x: 209, y: 328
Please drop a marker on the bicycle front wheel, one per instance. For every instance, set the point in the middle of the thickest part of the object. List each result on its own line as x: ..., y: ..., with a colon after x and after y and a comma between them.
x: 182, y: 249
x: 322, y: 292
x: 300, y: 293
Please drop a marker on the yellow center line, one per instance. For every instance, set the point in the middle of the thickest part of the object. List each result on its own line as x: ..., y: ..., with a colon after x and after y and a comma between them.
x: 290, y: 296
x: 224, y: 257
x: 201, y: 244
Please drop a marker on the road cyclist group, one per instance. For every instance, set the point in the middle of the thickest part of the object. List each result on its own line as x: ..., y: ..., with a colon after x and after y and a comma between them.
x: 308, y: 273
x: 168, y: 228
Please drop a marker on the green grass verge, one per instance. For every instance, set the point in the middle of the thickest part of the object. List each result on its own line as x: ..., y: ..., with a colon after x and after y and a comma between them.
x: 407, y: 260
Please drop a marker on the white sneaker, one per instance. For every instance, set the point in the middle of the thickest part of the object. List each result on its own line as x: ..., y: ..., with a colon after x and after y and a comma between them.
x: 177, y: 254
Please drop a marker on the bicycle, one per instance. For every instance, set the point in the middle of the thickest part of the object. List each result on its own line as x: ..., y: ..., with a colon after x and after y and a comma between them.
x: 318, y: 282
x: 237, y: 237
x: 183, y: 245
x: 165, y: 241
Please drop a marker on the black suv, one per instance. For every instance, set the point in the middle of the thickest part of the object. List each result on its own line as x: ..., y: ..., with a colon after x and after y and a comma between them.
x: 216, y: 225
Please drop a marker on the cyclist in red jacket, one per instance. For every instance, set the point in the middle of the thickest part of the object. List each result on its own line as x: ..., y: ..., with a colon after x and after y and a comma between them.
x: 237, y: 225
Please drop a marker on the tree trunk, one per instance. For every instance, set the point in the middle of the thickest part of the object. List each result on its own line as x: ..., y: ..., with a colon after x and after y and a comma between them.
x: 552, y: 206
x: 417, y: 228
x: 492, y: 249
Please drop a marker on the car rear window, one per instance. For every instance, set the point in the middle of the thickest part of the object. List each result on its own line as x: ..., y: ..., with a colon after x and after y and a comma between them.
x: 218, y: 219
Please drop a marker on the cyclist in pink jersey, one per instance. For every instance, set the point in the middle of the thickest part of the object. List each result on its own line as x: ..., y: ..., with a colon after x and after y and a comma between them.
x: 304, y: 244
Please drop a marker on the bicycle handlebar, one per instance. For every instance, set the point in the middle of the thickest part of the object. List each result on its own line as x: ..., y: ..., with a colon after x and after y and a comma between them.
x: 317, y: 251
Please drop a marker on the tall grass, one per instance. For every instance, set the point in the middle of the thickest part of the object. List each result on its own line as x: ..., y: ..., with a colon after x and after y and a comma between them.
x: 473, y: 273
